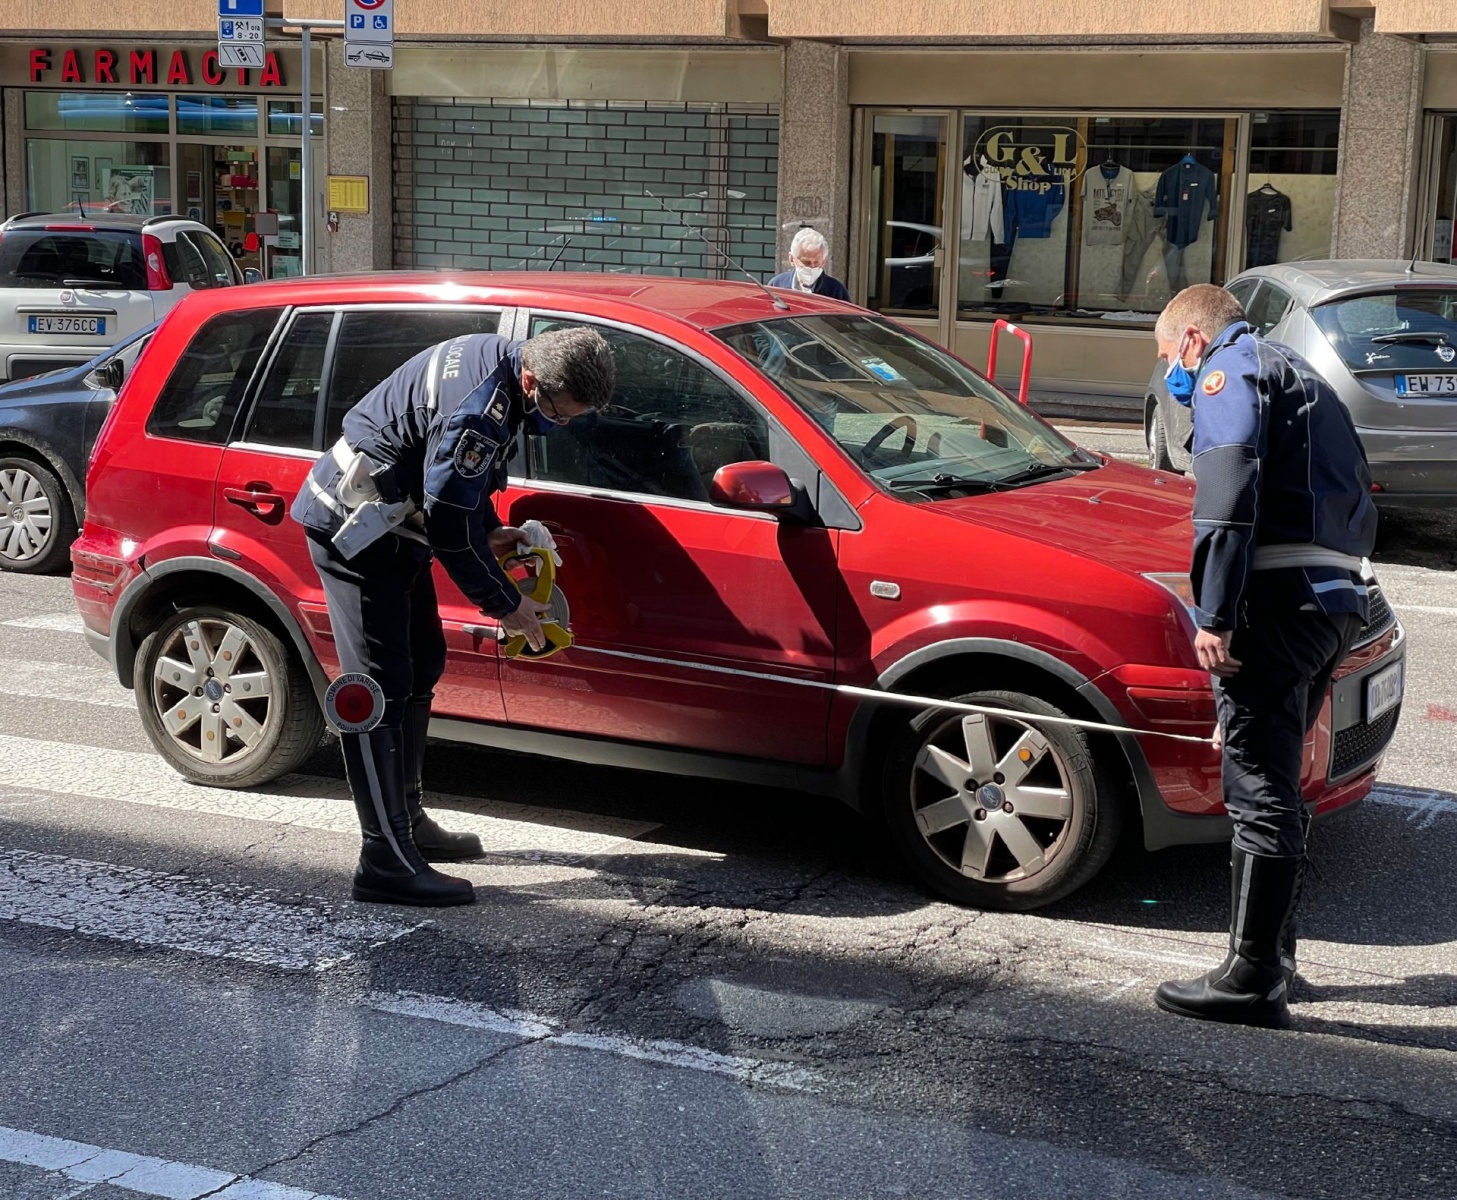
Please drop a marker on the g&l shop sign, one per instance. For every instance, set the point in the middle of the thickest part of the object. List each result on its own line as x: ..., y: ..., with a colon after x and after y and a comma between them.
x: 148, y: 66
x: 1033, y: 158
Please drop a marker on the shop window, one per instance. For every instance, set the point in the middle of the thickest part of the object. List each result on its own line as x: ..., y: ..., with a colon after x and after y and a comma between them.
x: 1290, y: 208
x: 100, y: 112
x: 114, y: 177
x: 284, y: 117
x: 201, y: 396
x: 672, y: 425
x: 1091, y: 217
x: 907, y: 156
x: 289, y: 399
x: 236, y: 116
x: 372, y: 344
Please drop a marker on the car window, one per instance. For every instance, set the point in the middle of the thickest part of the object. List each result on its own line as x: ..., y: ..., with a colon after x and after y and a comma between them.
x: 288, y: 401
x: 1242, y: 290
x: 220, y: 265
x: 201, y: 396
x: 1268, y: 308
x: 47, y: 258
x: 185, y: 263
x: 373, y: 343
x: 672, y: 424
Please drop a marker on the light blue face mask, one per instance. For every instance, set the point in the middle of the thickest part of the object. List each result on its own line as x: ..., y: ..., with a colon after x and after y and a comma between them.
x: 1179, y: 380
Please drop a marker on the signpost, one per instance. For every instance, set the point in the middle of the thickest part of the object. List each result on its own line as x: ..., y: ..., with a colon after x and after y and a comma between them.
x: 240, y: 33
x: 369, y: 33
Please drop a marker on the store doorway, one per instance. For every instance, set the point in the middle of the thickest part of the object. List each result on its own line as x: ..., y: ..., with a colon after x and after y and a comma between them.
x: 221, y: 188
x: 1443, y: 195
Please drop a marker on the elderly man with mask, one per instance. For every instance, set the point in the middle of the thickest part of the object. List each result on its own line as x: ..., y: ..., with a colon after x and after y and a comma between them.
x: 808, y: 255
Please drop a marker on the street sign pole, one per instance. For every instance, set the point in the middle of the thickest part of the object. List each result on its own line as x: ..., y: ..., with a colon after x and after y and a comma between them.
x: 306, y: 169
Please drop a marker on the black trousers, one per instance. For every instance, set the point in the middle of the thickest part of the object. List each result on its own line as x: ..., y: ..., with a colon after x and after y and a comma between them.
x: 1266, y: 710
x: 385, y: 617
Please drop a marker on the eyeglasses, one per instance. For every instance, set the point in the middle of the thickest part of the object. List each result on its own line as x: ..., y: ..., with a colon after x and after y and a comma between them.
x: 555, y: 415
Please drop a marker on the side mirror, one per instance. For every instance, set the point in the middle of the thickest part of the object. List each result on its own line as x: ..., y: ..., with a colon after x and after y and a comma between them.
x: 252, y: 275
x: 756, y: 485
x: 109, y: 376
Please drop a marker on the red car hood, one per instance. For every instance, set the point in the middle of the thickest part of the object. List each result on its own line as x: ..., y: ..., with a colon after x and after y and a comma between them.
x: 1128, y: 517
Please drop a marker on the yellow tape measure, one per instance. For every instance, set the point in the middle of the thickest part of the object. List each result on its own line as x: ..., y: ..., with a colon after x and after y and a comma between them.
x: 540, y: 585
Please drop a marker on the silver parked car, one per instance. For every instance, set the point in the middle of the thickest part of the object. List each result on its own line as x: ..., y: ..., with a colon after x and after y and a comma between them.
x: 1384, y: 335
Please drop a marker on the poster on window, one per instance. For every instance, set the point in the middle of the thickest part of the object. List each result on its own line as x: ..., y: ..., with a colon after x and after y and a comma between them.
x: 131, y: 190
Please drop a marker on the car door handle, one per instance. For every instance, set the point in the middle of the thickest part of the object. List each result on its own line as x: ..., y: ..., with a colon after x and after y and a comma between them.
x: 258, y: 499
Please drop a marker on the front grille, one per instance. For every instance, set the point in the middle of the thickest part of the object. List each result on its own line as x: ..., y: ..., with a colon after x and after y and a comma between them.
x: 1381, y: 619
x: 1359, y: 746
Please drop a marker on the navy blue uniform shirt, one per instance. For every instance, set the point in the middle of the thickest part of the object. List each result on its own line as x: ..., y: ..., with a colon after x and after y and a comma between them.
x: 1278, y: 463
x: 825, y: 285
x: 445, y: 424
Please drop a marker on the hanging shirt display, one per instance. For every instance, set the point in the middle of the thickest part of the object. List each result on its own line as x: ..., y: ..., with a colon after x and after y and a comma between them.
x: 1267, y: 215
x: 1185, y: 190
x: 1030, y: 210
x: 1107, y: 190
x: 981, y: 208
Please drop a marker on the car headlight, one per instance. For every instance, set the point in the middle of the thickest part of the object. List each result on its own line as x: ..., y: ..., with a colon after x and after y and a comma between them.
x: 1180, y: 586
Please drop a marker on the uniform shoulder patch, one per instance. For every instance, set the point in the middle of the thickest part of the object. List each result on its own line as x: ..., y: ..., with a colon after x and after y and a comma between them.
x: 497, y: 411
x: 473, y: 453
x: 1212, y: 384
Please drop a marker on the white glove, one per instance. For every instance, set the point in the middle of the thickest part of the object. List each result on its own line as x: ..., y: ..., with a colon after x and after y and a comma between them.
x: 538, y: 534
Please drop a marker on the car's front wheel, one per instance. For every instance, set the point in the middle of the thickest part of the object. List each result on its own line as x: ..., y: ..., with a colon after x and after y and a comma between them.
x: 37, y: 525
x: 996, y: 813
x: 223, y: 700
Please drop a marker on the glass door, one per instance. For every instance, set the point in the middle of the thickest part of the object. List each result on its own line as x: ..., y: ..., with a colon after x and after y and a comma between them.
x: 284, y: 253
x: 905, y: 221
x: 1443, y: 185
x: 220, y: 188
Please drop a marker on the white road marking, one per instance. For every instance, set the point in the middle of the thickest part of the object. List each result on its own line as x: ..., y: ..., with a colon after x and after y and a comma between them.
x: 1424, y: 805
x: 64, y: 622
x: 1423, y: 608
x: 312, y: 802
x: 549, y: 1032
x: 60, y: 681
x: 140, y: 1173
x: 130, y: 904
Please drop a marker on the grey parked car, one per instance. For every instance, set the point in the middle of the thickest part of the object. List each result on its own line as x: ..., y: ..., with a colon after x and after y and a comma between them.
x: 1384, y: 334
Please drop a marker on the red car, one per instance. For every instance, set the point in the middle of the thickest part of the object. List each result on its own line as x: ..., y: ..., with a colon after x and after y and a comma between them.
x: 787, y: 492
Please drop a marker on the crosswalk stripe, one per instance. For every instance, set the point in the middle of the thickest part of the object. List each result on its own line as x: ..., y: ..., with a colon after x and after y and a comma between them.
x: 140, y: 1173
x: 312, y: 802
x: 61, y: 681
x: 130, y: 904
x: 63, y: 622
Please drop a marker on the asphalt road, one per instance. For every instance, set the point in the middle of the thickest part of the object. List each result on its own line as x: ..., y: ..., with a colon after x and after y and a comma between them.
x: 680, y: 989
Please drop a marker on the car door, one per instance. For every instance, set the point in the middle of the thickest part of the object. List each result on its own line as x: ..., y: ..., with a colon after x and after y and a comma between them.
x: 671, y: 585
x: 325, y: 360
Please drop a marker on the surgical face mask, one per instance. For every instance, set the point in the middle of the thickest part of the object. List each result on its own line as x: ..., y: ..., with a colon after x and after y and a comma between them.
x: 1179, y: 380
x: 536, y: 420
x: 807, y: 276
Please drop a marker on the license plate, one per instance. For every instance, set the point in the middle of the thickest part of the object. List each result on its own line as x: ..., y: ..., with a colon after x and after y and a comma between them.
x: 1426, y: 385
x: 68, y: 325
x: 1383, y: 691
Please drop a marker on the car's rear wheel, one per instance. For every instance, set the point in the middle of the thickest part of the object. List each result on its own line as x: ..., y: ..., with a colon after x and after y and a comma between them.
x: 37, y: 525
x: 223, y: 700
x: 996, y: 813
x: 1159, y: 456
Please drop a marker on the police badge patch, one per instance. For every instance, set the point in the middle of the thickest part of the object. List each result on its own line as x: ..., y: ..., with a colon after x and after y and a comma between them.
x: 474, y: 453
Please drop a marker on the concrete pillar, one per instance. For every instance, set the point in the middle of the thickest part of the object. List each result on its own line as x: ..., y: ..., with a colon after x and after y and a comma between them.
x: 357, y: 110
x: 1380, y: 147
x: 814, y: 148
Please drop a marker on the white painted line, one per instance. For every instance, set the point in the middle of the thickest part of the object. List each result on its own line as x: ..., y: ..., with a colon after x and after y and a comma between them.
x: 59, y: 681
x: 1424, y: 806
x: 140, y: 1173
x: 64, y: 622
x: 515, y: 831
x: 546, y: 1031
x: 133, y: 905
x: 1423, y: 608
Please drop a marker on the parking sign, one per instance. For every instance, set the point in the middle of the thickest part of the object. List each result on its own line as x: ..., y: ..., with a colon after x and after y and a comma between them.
x: 369, y: 33
x: 240, y: 33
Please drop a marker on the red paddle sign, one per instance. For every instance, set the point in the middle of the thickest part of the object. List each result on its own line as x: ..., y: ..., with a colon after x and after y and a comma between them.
x: 354, y: 703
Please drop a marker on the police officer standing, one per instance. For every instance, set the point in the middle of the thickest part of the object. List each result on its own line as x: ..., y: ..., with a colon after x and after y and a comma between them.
x: 412, y: 475
x: 1282, y: 519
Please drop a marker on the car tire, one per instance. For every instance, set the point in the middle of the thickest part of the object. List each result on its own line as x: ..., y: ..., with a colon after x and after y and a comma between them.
x: 1159, y: 456
x: 229, y: 740
x: 1018, y: 860
x: 37, y: 524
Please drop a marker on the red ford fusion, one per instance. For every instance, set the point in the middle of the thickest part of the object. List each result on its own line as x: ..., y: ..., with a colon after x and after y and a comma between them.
x: 788, y: 496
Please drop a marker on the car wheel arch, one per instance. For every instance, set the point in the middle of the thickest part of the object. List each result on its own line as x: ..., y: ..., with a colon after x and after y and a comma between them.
x: 23, y: 444
x: 180, y: 582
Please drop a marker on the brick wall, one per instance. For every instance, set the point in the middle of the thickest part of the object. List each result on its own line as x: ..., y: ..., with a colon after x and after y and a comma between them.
x: 499, y: 184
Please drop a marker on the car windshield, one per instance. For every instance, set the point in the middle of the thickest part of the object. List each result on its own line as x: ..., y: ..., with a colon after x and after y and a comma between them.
x: 911, y: 416
x: 39, y: 258
x: 1400, y: 330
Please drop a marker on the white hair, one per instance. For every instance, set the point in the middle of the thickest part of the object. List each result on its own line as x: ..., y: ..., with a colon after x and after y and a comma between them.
x: 811, y: 241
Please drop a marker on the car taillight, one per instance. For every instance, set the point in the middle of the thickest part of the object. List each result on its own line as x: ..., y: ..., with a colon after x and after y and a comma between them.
x: 157, y: 278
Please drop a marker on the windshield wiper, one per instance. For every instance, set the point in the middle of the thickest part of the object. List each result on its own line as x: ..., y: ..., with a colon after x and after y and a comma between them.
x: 1043, y: 471
x: 1413, y: 335
x: 940, y: 483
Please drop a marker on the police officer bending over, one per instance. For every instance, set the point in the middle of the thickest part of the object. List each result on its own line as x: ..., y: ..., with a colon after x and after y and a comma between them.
x: 1282, y: 519
x: 412, y: 475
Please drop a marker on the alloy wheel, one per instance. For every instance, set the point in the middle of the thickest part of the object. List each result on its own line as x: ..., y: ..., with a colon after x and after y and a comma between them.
x: 992, y: 798
x: 213, y: 691
x: 27, y: 520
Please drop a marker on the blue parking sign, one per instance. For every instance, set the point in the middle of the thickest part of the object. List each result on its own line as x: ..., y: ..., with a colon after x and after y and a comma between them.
x: 240, y: 8
x: 356, y: 20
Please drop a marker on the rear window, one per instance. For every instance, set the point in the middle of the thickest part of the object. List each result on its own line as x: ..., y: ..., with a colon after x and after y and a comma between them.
x: 42, y: 258
x: 1404, y: 329
x: 201, y: 397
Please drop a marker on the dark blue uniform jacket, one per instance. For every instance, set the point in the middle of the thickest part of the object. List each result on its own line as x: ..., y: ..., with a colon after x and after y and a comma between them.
x: 1277, y: 462
x: 825, y: 285
x: 445, y: 424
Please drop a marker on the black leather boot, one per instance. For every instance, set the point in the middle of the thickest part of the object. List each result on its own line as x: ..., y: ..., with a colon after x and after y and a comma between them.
x: 1288, y: 935
x: 391, y: 869
x: 1249, y: 987
x: 434, y: 843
